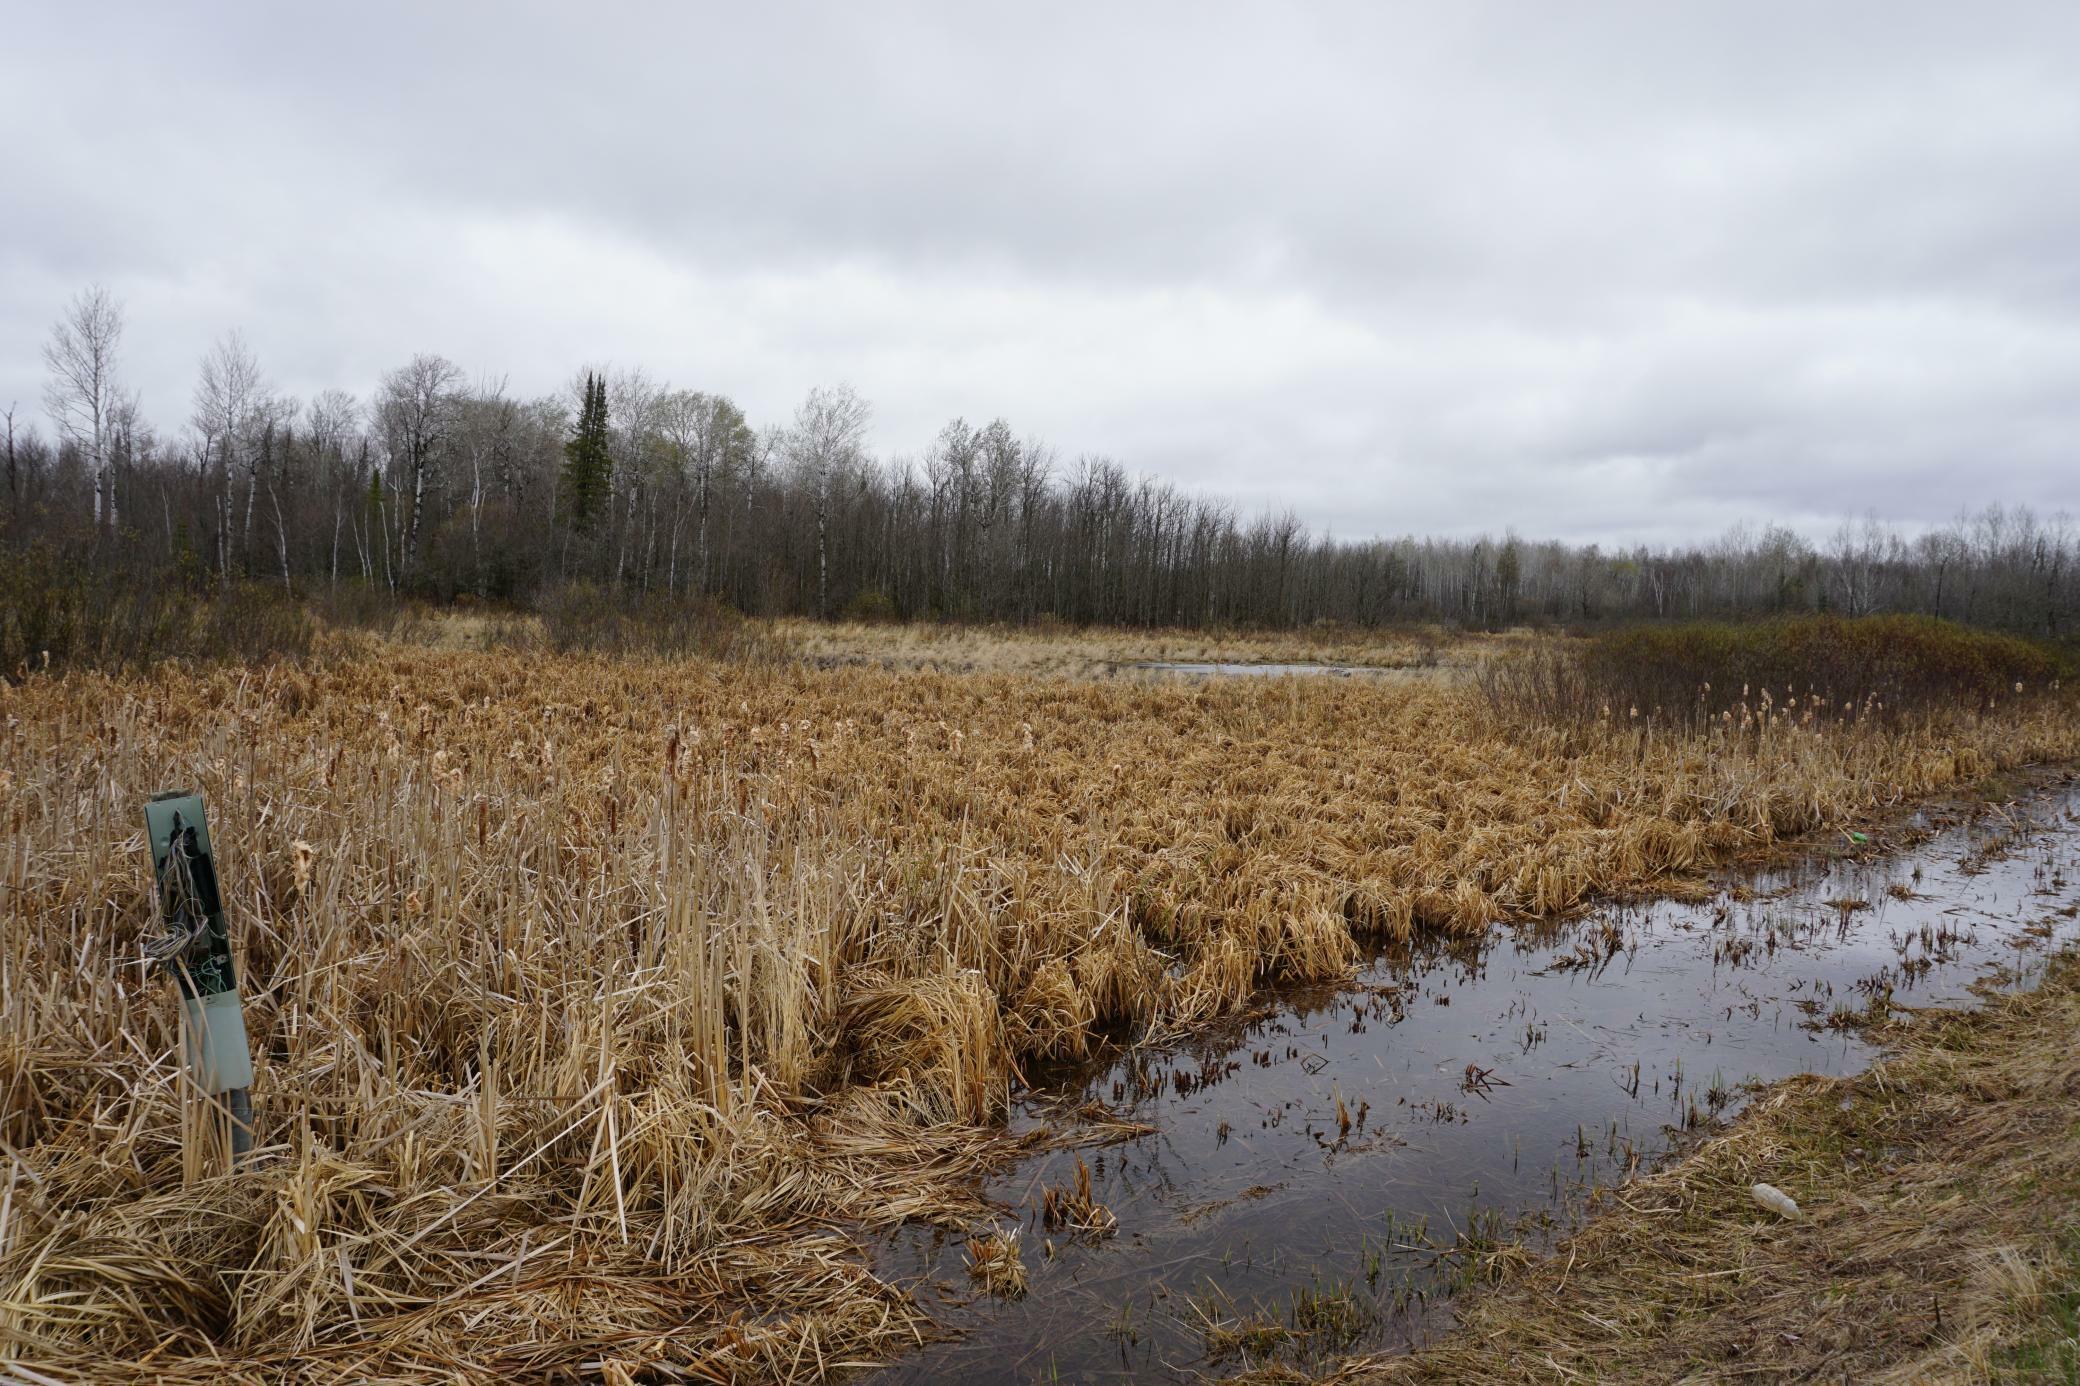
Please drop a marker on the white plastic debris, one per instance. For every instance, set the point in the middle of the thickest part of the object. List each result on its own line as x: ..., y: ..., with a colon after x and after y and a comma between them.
x: 1777, y: 1201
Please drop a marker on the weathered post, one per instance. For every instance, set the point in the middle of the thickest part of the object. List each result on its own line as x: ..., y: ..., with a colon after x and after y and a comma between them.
x: 196, y: 949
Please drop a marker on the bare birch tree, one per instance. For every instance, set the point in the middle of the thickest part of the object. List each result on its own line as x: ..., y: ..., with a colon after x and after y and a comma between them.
x: 230, y: 399
x: 83, y: 395
x: 14, y: 474
x: 417, y: 408
x: 829, y: 435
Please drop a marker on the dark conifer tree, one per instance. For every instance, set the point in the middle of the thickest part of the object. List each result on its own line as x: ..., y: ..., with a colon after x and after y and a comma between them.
x: 588, y: 466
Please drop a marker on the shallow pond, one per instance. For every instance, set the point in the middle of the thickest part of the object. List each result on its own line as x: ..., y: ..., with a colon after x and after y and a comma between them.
x: 1304, y: 1166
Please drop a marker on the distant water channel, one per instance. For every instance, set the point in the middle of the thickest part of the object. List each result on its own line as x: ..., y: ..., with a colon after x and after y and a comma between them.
x: 1488, y: 1086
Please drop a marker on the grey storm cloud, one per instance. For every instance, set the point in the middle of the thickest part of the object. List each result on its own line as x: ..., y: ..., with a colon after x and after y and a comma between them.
x: 1598, y: 271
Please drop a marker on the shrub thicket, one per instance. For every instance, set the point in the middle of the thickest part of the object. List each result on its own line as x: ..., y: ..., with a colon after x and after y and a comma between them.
x: 1885, y: 668
x: 872, y: 607
x: 579, y: 616
x: 56, y: 611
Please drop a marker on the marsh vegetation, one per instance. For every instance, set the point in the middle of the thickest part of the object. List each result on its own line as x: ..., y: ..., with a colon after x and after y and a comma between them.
x: 603, y: 1002
x: 1330, y: 1177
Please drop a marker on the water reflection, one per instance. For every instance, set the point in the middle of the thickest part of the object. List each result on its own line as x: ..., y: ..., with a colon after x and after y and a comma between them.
x: 1302, y: 1169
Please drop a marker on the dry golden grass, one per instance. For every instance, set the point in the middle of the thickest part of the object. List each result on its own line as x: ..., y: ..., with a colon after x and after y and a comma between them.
x: 1097, y: 651
x: 593, y: 1000
x: 1937, y: 1240
x: 994, y: 1264
x: 1038, y: 650
x: 1073, y: 1208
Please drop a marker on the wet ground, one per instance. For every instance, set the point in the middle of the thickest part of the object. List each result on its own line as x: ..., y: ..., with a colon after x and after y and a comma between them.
x: 1305, y: 1172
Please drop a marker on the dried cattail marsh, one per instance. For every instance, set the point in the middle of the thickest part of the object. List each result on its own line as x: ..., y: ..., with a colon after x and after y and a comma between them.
x: 593, y: 999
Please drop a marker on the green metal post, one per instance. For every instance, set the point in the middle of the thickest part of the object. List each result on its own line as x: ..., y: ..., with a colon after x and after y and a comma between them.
x: 197, y: 951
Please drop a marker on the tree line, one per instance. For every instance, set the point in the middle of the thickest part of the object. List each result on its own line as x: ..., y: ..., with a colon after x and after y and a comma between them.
x: 443, y: 486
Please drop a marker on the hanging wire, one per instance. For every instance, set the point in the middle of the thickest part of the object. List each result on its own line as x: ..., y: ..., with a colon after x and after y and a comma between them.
x: 184, y: 943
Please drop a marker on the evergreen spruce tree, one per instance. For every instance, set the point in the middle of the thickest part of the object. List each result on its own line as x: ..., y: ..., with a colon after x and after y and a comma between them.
x: 587, y: 466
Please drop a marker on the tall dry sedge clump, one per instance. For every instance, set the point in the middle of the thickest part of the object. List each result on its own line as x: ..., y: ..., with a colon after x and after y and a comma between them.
x: 593, y: 999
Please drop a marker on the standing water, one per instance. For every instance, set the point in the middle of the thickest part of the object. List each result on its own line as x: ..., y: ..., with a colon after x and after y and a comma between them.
x: 1301, y: 1171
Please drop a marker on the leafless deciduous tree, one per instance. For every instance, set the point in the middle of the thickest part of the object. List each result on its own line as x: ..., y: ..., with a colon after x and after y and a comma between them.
x: 828, y: 438
x: 83, y: 396
x: 704, y: 441
x: 442, y: 487
x: 335, y: 417
x: 416, y: 408
x: 634, y: 404
x: 14, y: 472
x: 230, y: 406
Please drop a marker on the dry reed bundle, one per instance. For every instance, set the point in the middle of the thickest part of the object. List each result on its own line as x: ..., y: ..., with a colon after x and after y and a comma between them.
x: 993, y: 1261
x: 1073, y: 1208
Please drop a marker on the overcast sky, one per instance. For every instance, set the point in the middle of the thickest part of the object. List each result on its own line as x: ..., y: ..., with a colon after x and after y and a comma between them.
x: 1612, y: 272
